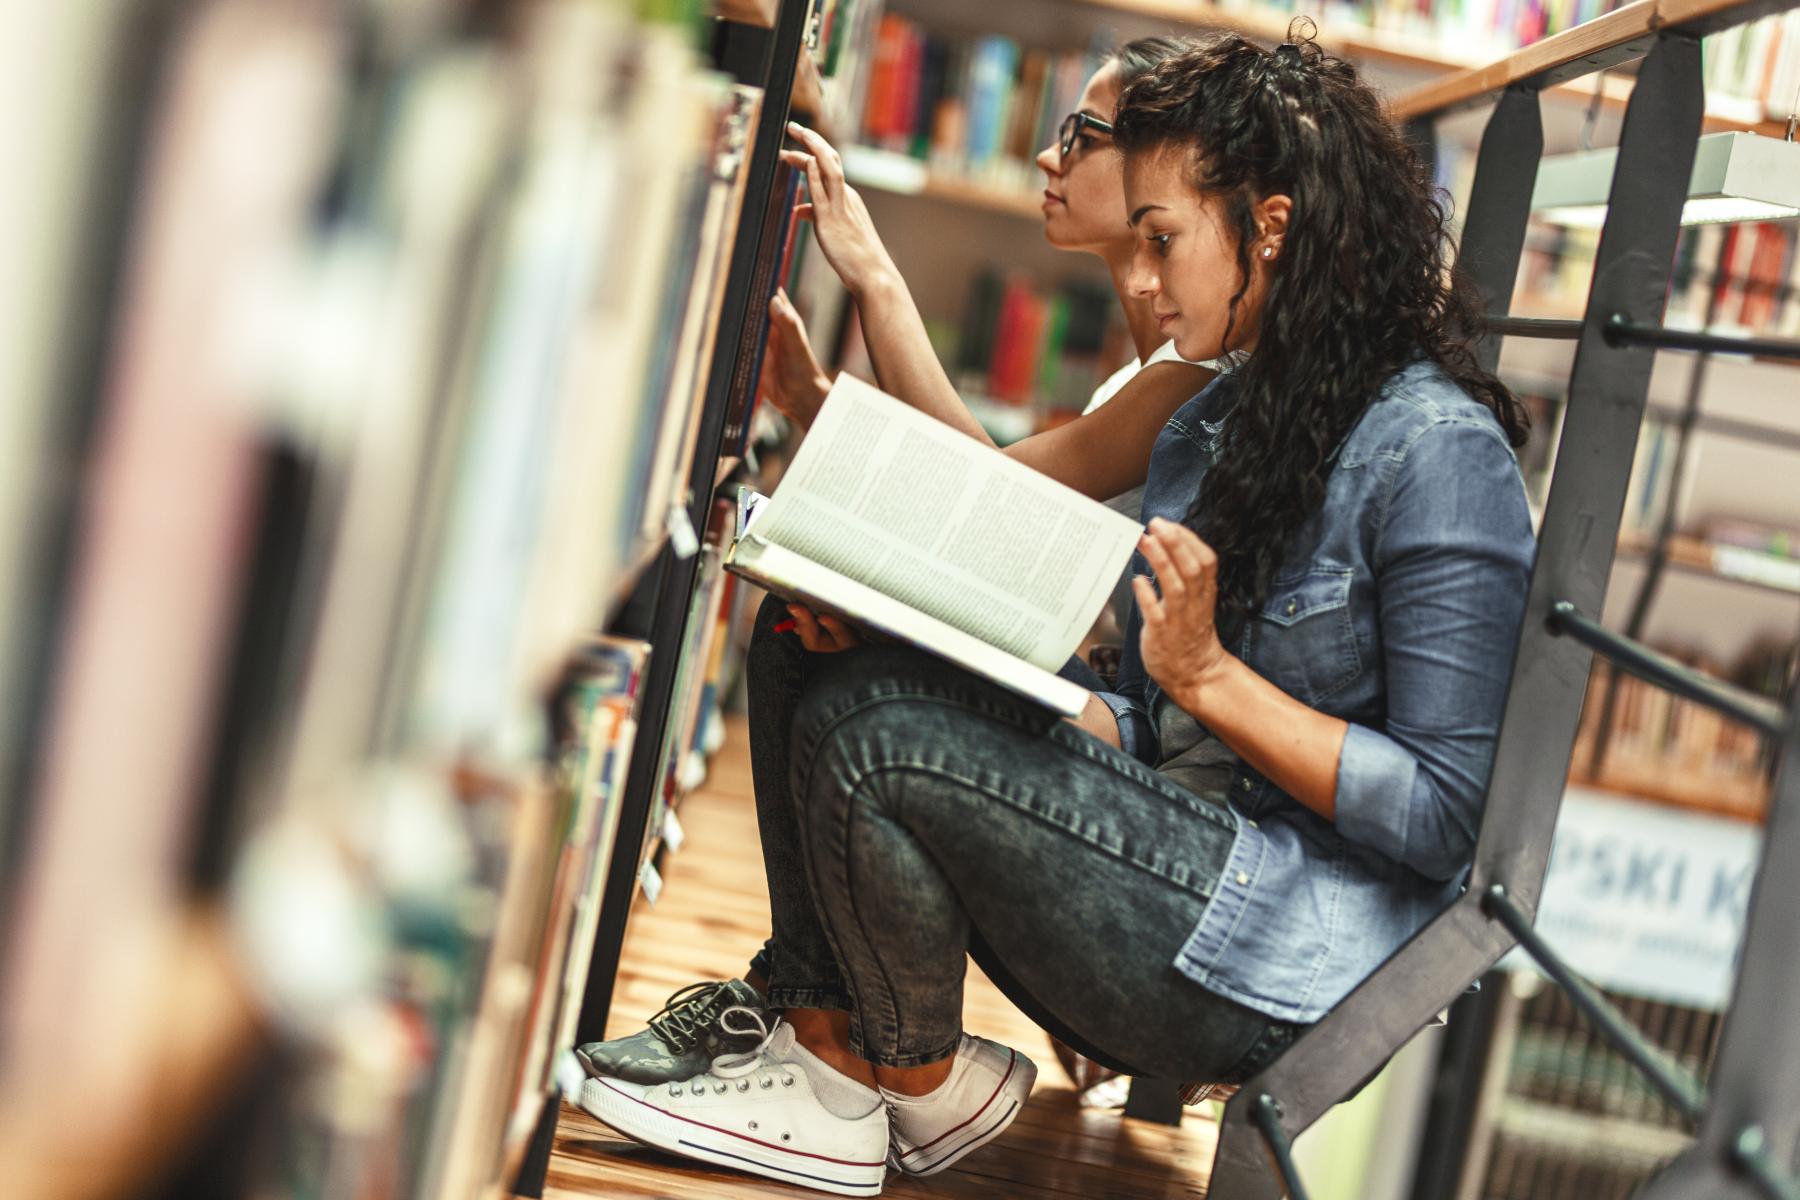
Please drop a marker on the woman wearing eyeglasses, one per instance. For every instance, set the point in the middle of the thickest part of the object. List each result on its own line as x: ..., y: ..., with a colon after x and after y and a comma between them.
x: 1330, y: 590
x: 1103, y: 455
x: 1084, y: 210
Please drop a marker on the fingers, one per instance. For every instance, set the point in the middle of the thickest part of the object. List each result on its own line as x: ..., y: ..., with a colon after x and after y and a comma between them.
x: 1168, y: 575
x: 784, y: 312
x: 830, y: 164
x: 817, y: 145
x: 1148, y: 602
x: 841, y: 635
x: 1181, y: 560
x: 815, y: 178
x: 806, y: 627
x: 820, y: 634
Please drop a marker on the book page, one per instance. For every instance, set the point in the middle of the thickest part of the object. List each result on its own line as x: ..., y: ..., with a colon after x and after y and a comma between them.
x: 908, y: 506
x: 791, y: 575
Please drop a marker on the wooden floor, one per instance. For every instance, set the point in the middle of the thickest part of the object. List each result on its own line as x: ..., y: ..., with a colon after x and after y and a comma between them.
x: 713, y: 914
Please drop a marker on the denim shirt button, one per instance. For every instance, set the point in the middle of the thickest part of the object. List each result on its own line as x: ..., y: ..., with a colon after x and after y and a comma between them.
x: 1292, y: 605
x: 1243, y: 878
x: 1246, y: 783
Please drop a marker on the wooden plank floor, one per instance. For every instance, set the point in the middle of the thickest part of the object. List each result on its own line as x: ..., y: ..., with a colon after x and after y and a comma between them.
x: 713, y: 914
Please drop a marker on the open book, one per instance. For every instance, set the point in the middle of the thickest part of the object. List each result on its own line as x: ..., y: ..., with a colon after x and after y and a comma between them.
x: 895, y: 521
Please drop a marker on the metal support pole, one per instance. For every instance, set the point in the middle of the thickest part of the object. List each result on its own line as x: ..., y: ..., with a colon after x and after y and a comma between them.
x: 1749, y: 1136
x: 1665, y: 672
x: 1549, y: 329
x: 1622, y: 330
x: 1549, y: 675
x: 1268, y: 1123
x: 1682, y: 1092
x: 677, y: 577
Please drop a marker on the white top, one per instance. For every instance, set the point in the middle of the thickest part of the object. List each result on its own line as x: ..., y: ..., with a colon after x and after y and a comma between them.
x: 1119, y: 378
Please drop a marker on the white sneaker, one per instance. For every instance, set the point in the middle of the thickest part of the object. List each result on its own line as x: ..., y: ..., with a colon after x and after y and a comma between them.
x: 775, y: 1110
x: 987, y: 1087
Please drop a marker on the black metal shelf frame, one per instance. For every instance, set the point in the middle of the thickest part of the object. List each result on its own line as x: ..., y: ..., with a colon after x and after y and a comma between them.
x: 767, y: 58
x: 1749, y: 1121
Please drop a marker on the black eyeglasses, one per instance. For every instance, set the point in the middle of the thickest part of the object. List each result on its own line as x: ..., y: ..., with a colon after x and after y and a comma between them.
x: 1071, y: 129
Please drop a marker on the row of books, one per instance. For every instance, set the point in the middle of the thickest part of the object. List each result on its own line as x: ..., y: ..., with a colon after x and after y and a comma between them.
x: 1496, y: 26
x: 1746, y: 276
x: 1575, y: 1120
x: 1023, y: 343
x: 1559, y: 1059
x: 1757, y: 65
x: 1658, y: 745
x: 981, y: 107
x: 371, y: 430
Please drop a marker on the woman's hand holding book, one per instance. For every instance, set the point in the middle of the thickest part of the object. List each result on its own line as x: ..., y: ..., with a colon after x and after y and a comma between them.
x: 821, y: 634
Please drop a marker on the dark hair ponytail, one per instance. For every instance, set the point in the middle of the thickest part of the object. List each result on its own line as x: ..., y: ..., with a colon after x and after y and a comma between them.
x: 1364, y: 284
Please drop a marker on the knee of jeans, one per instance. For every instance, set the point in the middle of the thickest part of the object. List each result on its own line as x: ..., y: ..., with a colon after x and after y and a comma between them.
x: 846, y: 732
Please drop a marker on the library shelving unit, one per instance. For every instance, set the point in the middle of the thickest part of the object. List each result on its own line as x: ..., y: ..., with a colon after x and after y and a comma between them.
x: 1403, y: 54
x: 371, y: 372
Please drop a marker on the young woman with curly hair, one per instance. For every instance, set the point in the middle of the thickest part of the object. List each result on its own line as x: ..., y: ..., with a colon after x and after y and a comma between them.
x: 1288, y: 780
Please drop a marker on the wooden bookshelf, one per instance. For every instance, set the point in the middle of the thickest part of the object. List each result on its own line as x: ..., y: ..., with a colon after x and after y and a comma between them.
x: 1700, y: 557
x: 901, y: 175
x: 1271, y: 25
x: 1567, y: 58
x: 760, y: 13
x: 1655, y: 783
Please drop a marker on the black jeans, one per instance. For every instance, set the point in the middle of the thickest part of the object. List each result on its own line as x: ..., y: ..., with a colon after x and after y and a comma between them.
x: 912, y: 813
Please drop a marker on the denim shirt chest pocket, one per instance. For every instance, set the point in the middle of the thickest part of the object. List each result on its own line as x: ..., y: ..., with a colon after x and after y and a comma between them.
x: 1304, y: 639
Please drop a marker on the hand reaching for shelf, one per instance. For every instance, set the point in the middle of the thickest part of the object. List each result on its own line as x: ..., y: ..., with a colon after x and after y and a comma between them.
x: 840, y: 218
x: 792, y: 379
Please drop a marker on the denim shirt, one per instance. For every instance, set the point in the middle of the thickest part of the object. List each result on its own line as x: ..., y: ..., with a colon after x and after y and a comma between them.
x: 1397, y: 610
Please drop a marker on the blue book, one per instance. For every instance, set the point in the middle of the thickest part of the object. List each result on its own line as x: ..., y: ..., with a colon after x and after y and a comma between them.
x: 991, y: 71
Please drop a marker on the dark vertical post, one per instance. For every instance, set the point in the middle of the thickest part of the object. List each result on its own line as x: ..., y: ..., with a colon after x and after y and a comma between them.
x: 779, y: 57
x: 1753, y: 1094
x: 1575, y: 553
x: 1156, y: 1100
x: 1463, y: 1062
x: 1493, y: 233
x: 535, y: 1167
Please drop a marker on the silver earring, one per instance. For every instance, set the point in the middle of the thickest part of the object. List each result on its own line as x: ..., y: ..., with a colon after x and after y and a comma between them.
x: 1268, y: 252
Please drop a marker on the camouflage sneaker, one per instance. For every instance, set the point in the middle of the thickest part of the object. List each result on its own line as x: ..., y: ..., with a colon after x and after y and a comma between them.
x: 682, y: 1040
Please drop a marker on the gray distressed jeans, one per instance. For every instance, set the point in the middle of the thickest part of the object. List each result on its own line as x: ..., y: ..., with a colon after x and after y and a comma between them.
x: 912, y: 814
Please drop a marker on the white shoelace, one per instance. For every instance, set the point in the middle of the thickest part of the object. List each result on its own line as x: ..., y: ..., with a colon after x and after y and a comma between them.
x: 740, y: 1069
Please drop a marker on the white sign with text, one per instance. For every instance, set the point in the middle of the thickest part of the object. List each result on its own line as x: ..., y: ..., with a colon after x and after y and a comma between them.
x: 1646, y: 900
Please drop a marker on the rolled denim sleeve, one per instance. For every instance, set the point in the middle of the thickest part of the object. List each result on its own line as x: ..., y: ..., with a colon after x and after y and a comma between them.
x: 1137, y: 735
x: 1453, y: 565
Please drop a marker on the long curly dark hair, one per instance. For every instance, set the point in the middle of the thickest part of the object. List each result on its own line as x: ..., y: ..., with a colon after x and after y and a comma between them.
x: 1364, y: 284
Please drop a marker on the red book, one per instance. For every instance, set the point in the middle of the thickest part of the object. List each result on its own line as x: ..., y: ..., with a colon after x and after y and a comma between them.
x: 1006, y: 332
x: 890, y: 46
x: 1730, y: 267
x: 906, y: 85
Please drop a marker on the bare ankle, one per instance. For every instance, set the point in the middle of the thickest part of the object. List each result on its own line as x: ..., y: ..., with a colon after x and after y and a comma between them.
x: 915, y: 1081
x: 826, y: 1033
